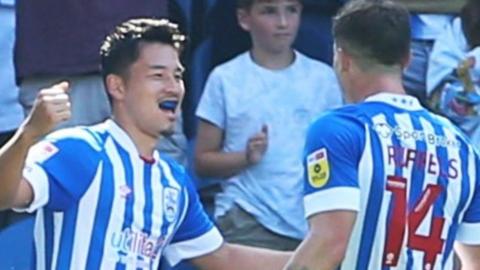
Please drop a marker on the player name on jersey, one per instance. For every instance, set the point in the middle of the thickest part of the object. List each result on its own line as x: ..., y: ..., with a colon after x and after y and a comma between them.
x: 406, y: 157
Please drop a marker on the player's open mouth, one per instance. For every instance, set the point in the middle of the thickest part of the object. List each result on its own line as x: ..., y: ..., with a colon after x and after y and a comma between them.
x: 168, y: 105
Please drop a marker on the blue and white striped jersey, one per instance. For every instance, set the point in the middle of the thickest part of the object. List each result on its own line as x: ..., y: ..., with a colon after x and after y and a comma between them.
x: 101, y: 206
x: 410, y: 175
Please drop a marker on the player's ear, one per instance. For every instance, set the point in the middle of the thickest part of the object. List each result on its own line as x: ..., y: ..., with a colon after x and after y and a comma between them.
x: 243, y: 18
x: 406, y: 60
x: 115, y: 86
x: 344, y: 59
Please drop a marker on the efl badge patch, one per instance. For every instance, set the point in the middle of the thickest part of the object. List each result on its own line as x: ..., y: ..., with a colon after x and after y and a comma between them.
x: 318, y: 168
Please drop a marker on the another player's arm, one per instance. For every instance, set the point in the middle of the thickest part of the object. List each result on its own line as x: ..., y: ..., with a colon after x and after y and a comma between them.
x: 433, y: 6
x: 51, y: 107
x: 212, y: 161
x: 326, y: 243
x: 469, y: 256
x: 237, y: 257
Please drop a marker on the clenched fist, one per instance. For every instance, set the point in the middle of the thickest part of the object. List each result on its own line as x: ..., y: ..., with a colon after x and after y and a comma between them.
x: 257, y: 146
x: 51, y: 107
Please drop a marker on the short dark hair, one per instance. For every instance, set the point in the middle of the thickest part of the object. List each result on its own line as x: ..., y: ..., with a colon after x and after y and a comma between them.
x: 121, y: 47
x: 377, y: 31
x: 247, y: 4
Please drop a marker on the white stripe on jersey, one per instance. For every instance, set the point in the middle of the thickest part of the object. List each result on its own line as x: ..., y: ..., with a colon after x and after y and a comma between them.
x: 171, y: 181
x: 118, y: 206
x: 39, y: 238
x: 405, y: 121
x: 365, y: 177
x: 87, y: 209
x: 168, y: 174
x: 139, y: 198
x: 454, y: 187
x: 57, y: 229
x: 157, y: 218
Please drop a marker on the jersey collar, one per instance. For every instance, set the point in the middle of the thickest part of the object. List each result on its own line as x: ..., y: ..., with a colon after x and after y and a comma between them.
x: 123, y: 139
x: 397, y: 100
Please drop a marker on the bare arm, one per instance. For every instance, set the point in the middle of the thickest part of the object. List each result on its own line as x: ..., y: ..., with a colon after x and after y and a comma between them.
x: 469, y: 256
x: 212, y: 161
x: 326, y: 243
x: 51, y: 107
x: 237, y: 257
x: 433, y: 6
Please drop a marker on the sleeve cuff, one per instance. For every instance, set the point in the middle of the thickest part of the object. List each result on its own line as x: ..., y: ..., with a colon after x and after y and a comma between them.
x: 340, y: 198
x: 209, y: 117
x: 202, y: 245
x: 469, y: 233
x: 38, y: 180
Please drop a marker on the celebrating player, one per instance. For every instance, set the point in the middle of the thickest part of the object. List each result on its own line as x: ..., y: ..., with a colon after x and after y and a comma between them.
x: 104, y: 197
x: 388, y: 184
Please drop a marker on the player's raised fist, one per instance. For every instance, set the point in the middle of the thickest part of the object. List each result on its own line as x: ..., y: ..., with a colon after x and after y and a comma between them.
x: 51, y: 107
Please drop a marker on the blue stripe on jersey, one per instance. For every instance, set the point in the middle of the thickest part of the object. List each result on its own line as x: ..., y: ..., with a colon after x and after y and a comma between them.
x: 34, y: 255
x: 398, y: 172
x: 128, y: 214
x: 416, y: 184
x: 148, y: 209
x: 373, y: 206
x: 48, y: 225
x: 105, y: 202
x: 67, y: 239
x: 465, y: 190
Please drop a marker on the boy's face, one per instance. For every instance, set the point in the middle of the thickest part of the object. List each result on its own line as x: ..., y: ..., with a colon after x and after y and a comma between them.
x: 273, y: 24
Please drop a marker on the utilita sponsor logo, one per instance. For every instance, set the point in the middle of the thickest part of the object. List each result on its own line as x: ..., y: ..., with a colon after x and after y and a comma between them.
x: 131, y: 242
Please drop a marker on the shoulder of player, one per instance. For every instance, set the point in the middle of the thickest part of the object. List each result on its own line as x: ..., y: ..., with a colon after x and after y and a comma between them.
x: 178, y: 171
x: 78, y: 135
x: 346, y: 113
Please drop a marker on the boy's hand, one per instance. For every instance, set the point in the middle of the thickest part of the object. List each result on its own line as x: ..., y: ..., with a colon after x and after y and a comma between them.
x: 257, y: 146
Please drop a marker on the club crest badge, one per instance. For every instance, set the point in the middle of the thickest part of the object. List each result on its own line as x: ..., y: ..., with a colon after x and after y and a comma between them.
x: 170, y: 203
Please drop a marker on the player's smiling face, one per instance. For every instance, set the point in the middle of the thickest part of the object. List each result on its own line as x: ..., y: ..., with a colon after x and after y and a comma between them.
x: 154, y: 89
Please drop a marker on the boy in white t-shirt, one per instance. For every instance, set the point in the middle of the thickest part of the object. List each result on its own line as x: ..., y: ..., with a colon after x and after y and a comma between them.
x: 253, y: 119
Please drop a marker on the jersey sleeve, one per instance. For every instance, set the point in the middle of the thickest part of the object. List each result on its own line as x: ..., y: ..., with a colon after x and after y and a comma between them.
x: 211, y: 107
x: 60, y: 169
x: 196, y: 235
x: 469, y: 229
x: 332, y: 153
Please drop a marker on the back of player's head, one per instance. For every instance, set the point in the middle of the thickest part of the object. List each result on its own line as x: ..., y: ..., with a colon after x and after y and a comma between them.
x: 374, y: 32
x: 121, y: 47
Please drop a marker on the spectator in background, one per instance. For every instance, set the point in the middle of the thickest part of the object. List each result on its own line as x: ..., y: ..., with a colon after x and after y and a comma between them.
x: 428, y: 19
x: 11, y: 114
x: 453, y: 77
x: 253, y: 115
x: 59, y: 40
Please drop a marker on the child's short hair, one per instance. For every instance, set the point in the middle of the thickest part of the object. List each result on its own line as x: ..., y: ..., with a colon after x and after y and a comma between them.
x: 247, y: 4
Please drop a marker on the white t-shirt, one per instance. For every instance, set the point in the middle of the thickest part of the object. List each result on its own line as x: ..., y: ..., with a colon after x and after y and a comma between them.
x: 241, y: 96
